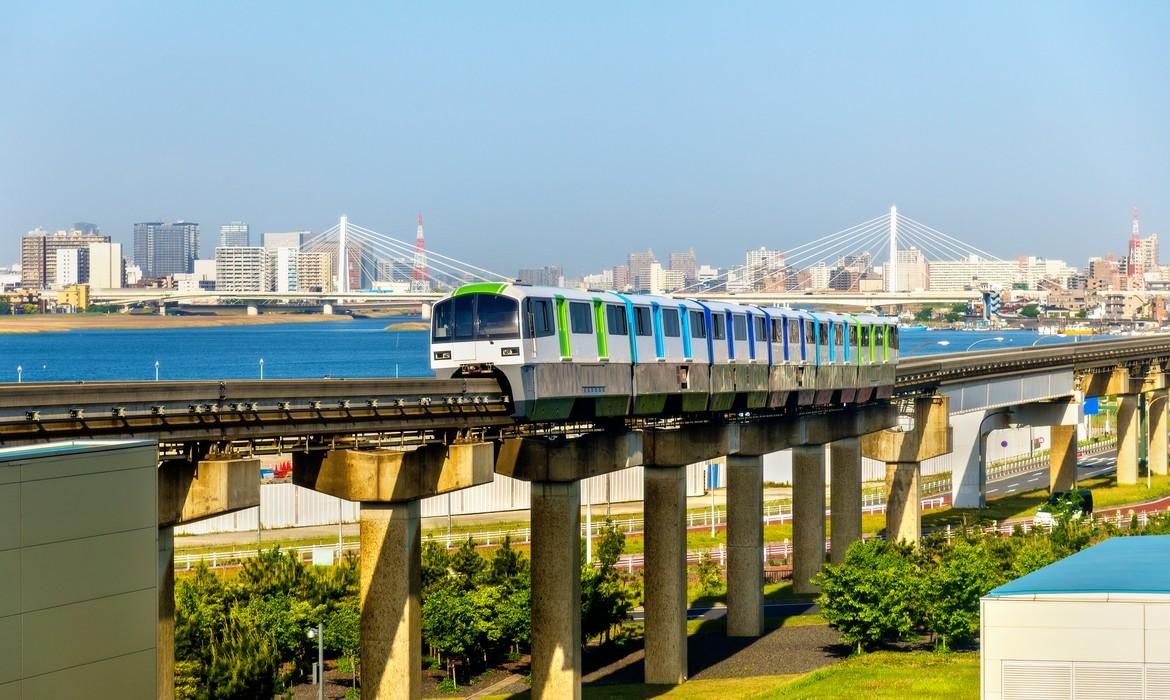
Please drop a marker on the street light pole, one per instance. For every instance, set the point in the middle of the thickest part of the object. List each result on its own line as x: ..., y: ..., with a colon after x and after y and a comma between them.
x: 156, y: 370
x: 19, y: 374
x: 261, y: 369
x: 996, y: 339
x: 318, y: 634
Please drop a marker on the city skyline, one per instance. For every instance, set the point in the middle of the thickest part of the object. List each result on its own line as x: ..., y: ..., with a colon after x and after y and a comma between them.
x: 552, y: 125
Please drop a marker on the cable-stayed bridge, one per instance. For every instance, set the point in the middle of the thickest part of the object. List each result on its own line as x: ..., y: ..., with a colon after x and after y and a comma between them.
x: 884, y: 261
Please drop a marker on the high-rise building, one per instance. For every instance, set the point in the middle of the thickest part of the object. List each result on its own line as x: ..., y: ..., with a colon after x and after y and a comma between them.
x: 547, y: 276
x: 285, y: 269
x: 242, y: 269
x: 38, y: 254
x: 764, y: 269
x: 913, y: 273
x: 685, y: 263
x: 72, y: 266
x: 286, y: 239
x: 621, y: 278
x: 355, y: 253
x: 971, y: 273
x: 107, y: 270
x: 639, y: 264
x: 162, y: 249
x: 234, y: 234
x: 315, y: 271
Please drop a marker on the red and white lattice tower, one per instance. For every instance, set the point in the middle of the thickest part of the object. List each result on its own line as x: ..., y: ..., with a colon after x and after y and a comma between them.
x: 420, y: 279
x: 1136, y: 262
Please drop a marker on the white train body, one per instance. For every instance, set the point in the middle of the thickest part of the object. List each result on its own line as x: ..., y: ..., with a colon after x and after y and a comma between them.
x: 566, y: 353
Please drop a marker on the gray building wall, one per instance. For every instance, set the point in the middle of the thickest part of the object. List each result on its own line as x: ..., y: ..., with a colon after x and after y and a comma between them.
x: 78, y: 570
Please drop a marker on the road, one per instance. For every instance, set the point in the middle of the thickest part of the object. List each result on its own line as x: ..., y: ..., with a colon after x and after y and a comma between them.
x: 715, y: 612
x: 1093, y: 465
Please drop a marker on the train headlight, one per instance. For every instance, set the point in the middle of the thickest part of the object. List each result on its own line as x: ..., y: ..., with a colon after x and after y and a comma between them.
x: 442, y: 354
x: 510, y: 352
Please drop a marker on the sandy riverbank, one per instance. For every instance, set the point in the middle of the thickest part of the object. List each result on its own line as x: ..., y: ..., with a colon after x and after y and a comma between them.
x: 48, y: 323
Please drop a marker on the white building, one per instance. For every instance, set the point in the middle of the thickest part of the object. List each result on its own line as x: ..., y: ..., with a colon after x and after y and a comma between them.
x: 912, y: 271
x: 72, y: 266
x: 107, y: 269
x: 1095, y: 624
x: 201, y: 280
x: 242, y: 269
x: 284, y: 264
x: 234, y: 234
x: 1033, y: 270
x: 763, y: 267
x: 972, y: 273
x: 819, y: 276
x: 286, y: 239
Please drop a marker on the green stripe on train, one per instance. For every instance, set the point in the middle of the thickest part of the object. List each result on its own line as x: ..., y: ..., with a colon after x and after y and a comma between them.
x: 563, y: 326
x: 481, y: 288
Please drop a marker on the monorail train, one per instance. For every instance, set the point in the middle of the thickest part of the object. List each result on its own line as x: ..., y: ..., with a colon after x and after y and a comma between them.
x: 564, y: 353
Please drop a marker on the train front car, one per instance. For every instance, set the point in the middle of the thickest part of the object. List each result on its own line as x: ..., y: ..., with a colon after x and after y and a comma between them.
x: 551, y: 349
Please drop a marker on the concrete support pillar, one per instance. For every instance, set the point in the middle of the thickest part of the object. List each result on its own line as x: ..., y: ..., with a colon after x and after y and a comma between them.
x: 745, y: 545
x: 903, y: 502
x: 556, y: 589
x: 327, y: 309
x: 1156, y: 415
x: 1127, y: 438
x: 666, y: 574
x: 845, y: 496
x: 166, y: 613
x: 391, y: 559
x: 808, y: 515
x: 253, y: 310
x: 1062, y: 458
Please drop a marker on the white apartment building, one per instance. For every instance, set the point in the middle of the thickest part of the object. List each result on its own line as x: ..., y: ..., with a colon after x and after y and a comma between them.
x: 284, y: 263
x: 315, y: 271
x: 107, y: 269
x: 972, y: 273
x: 819, y: 276
x: 242, y: 269
x: 72, y: 266
x: 1033, y: 269
x: 913, y: 273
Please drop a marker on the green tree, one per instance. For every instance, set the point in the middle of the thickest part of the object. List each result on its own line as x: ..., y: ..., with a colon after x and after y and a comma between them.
x: 1031, y: 311
x: 509, y: 567
x: 200, y: 614
x: 710, y: 575
x: 606, y: 599
x: 343, y: 634
x: 449, y: 625
x: 436, y: 565
x: 870, y: 597
x: 957, y: 577
x: 467, y: 566
x: 243, y: 664
x: 926, y: 313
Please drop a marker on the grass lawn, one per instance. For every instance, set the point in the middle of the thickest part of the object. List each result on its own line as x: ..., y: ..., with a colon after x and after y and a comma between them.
x: 876, y: 676
x: 890, y: 674
x: 1106, y: 493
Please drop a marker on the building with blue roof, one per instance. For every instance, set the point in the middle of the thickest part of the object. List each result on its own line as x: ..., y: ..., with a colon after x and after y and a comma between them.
x: 1095, y: 624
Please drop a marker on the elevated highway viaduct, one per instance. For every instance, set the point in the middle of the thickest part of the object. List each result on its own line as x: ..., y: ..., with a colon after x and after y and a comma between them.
x: 388, y: 443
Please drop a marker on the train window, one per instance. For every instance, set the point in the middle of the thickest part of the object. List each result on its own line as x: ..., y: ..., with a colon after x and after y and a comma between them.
x: 718, y: 329
x: 539, y: 320
x: 852, y: 335
x: 454, y: 319
x: 698, y: 325
x: 616, y: 320
x: 580, y: 317
x: 497, y: 317
x: 893, y: 335
x: 670, y: 325
x: 761, y: 332
x: 810, y: 330
x: 739, y: 325
x: 838, y: 334
x: 864, y: 336
x: 793, y: 331
x: 777, y: 330
x: 642, y: 321
x: 823, y: 338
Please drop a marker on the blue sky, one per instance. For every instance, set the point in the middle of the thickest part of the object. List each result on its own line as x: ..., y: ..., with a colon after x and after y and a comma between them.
x: 534, y: 133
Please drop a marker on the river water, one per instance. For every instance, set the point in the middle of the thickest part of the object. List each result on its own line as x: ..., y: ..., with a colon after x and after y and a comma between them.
x: 358, y: 348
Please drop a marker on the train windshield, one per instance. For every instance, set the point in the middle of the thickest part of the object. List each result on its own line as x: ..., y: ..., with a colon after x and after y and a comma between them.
x: 476, y: 317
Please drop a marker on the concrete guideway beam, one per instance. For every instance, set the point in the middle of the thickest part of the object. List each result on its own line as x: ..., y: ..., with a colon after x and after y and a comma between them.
x: 745, y: 545
x: 1156, y: 410
x: 1123, y: 380
x: 541, y: 459
x: 556, y: 589
x: 929, y: 435
x: 393, y: 476
x: 688, y: 444
x: 665, y: 574
x: 845, y: 495
x: 808, y: 516
x: 190, y: 491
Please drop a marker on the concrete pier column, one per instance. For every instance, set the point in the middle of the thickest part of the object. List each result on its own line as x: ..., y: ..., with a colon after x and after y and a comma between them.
x: 1062, y: 458
x: 666, y: 574
x: 845, y: 496
x: 166, y: 613
x: 1127, y: 438
x: 1156, y: 415
x: 903, y: 502
x: 391, y: 559
x: 745, y: 545
x: 556, y: 589
x: 808, y: 515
